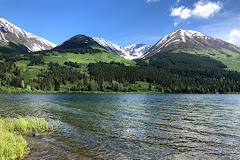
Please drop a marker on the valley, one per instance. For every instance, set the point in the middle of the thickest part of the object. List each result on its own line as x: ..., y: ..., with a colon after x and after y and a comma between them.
x: 119, y: 80
x: 182, y: 62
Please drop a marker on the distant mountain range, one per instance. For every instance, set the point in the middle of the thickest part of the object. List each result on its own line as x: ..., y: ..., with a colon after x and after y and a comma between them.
x: 15, y: 40
x: 183, y: 61
x: 81, y: 41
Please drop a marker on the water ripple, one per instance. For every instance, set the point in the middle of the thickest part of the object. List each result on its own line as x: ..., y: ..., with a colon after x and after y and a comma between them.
x: 133, y: 126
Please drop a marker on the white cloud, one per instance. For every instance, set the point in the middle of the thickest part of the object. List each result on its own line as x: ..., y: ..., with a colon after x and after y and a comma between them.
x: 202, y: 9
x: 186, y: 13
x: 205, y: 10
x: 234, y: 37
x: 152, y: 0
x: 177, y: 11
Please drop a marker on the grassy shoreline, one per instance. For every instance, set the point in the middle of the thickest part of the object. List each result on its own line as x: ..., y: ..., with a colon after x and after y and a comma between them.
x: 12, y: 143
x: 150, y: 92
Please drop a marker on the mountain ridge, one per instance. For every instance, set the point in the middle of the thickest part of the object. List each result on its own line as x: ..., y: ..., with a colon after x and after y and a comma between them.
x: 130, y: 52
x: 15, y: 40
x: 78, y: 41
x: 193, y: 42
x: 11, y: 33
x: 182, y: 38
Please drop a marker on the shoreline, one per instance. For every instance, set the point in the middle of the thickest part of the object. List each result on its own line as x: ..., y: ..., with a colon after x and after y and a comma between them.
x: 13, y: 143
x: 100, y: 92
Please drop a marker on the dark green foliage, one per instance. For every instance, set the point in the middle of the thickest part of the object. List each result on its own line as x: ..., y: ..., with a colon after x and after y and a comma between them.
x: 165, y: 73
x: 82, y: 50
x: 10, y: 75
x: 116, y: 63
x: 35, y: 60
x: 171, y: 78
x: 119, y: 73
x: 12, y: 57
x: 181, y: 61
x: 12, y: 48
x: 58, y: 75
x: 72, y: 64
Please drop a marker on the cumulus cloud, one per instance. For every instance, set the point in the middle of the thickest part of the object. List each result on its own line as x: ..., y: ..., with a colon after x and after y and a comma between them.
x: 202, y: 9
x: 234, y: 37
x: 152, y: 0
x: 205, y: 10
x: 182, y: 12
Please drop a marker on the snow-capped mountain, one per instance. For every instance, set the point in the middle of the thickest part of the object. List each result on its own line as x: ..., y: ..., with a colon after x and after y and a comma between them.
x: 137, y: 50
x: 187, y: 40
x: 11, y: 33
x: 131, y: 52
x: 111, y: 47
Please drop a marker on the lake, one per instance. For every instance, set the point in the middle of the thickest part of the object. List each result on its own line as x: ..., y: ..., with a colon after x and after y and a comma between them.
x: 132, y: 126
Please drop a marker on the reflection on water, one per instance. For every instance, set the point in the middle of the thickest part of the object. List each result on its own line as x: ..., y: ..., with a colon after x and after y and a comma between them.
x: 133, y: 126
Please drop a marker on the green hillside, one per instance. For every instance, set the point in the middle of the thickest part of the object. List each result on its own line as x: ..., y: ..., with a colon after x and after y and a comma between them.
x: 85, y: 58
x: 99, y: 70
x: 31, y: 71
x: 81, y: 65
x: 12, y: 48
x: 229, y: 58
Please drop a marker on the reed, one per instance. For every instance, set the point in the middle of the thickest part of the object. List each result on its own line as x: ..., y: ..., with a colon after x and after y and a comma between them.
x: 12, y: 143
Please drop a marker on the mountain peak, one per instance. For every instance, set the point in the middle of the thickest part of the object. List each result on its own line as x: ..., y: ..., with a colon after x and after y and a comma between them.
x: 78, y: 41
x: 79, y: 38
x: 11, y: 33
x: 137, y: 50
x: 189, y: 40
x: 80, y: 35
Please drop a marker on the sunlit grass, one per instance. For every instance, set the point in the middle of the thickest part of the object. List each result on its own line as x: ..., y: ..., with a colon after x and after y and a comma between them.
x: 12, y: 143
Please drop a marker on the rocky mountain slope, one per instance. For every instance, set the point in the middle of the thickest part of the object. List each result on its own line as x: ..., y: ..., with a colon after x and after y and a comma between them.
x: 187, y: 40
x: 137, y: 50
x: 111, y: 47
x: 131, y: 52
x: 193, y: 42
x: 78, y: 41
x: 9, y: 33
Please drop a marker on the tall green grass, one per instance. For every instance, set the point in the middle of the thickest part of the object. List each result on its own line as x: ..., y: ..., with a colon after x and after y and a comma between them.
x: 12, y: 143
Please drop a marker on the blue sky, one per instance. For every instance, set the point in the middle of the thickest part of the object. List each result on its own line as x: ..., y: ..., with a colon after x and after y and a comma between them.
x: 124, y: 22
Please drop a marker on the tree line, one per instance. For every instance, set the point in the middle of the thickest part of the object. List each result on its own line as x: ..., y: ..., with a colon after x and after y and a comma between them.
x: 167, y: 73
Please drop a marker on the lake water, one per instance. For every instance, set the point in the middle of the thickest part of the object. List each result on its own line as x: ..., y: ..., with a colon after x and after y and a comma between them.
x: 132, y: 126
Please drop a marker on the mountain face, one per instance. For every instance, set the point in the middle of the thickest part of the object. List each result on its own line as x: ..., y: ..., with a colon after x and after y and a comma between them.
x: 111, y: 47
x: 191, y: 41
x: 131, y: 52
x: 81, y: 41
x: 78, y: 41
x: 11, y: 34
x: 137, y: 50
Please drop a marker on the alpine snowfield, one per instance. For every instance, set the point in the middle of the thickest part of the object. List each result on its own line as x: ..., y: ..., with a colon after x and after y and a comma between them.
x: 131, y: 52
